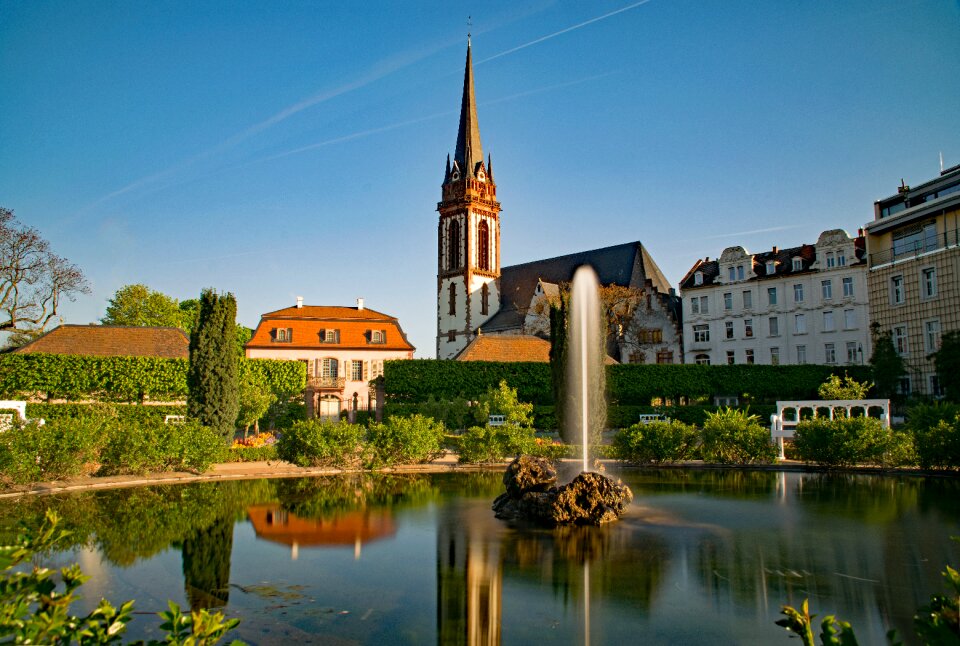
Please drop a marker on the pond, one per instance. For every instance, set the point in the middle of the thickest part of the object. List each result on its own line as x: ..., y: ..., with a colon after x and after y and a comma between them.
x: 699, y: 557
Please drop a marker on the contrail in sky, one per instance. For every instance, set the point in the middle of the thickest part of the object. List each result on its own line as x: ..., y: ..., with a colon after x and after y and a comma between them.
x: 564, y: 31
x: 747, y: 233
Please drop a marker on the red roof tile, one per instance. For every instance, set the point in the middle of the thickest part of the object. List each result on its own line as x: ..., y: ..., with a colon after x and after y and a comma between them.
x: 112, y: 341
x: 305, y: 323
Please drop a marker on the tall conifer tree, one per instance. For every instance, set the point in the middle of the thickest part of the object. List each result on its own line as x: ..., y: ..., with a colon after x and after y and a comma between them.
x: 558, y: 359
x: 212, y: 381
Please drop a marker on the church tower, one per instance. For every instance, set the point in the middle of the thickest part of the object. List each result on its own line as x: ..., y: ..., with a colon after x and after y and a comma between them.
x: 468, y: 235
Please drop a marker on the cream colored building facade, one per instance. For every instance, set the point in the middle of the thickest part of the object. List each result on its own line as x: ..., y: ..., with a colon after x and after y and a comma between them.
x: 914, y: 273
x: 805, y: 304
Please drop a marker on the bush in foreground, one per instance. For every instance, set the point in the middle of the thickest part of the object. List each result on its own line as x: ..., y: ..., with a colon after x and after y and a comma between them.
x: 322, y: 443
x: 657, y: 442
x: 736, y: 437
x: 405, y: 440
x: 480, y: 444
x: 66, y: 448
x: 848, y: 441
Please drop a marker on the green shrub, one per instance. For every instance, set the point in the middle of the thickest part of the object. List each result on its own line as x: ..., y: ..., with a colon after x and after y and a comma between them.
x: 123, y: 412
x: 454, y: 413
x: 733, y: 436
x: 503, y: 400
x: 405, y: 440
x: 936, y: 435
x: 283, y: 414
x: 847, y: 441
x: 322, y: 443
x: 656, y: 442
x: 152, y: 447
x: 251, y: 454
x: 193, y: 447
x: 480, y: 444
x: 64, y: 448
x: 546, y: 447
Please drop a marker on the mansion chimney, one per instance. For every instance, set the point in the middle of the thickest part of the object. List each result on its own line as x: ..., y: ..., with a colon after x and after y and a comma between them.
x: 299, y: 302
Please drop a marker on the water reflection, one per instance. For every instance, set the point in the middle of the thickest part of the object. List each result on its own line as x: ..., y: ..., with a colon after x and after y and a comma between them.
x: 274, y: 523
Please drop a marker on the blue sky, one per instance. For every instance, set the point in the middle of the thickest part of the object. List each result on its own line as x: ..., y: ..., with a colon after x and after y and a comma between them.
x: 297, y: 148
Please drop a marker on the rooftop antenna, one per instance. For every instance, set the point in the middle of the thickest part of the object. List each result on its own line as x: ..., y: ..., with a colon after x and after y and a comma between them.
x: 941, y: 162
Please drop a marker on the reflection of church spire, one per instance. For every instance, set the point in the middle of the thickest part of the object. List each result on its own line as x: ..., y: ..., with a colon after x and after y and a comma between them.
x: 469, y: 152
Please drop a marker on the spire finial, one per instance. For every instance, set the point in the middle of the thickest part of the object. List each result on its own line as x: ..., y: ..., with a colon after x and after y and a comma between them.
x: 469, y: 28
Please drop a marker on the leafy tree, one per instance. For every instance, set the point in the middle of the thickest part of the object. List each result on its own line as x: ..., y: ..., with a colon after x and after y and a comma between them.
x: 212, y: 374
x: 887, y: 366
x: 141, y: 306
x: 947, y: 362
x: 255, y: 401
x: 503, y: 400
x: 33, y: 280
x: 835, y: 388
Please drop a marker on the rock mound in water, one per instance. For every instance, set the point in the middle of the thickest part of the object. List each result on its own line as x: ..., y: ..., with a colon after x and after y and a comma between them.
x: 532, y: 494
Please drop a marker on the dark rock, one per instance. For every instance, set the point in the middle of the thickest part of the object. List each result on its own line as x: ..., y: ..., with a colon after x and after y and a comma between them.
x: 589, y: 499
x: 529, y: 473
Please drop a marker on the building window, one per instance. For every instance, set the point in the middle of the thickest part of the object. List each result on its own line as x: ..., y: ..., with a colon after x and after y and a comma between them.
x: 484, y: 299
x: 903, y: 386
x: 748, y: 328
x: 828, y: 321
x: 329, y: 368
x: 637, y: 357
x: 801, y: 354
x: 774, y: 356
x: 841, y: 259
x: 330, y: 336
x: 935, y: 389
x: 771, y: 268
x: 704, y: 305
x: 772, y: 295
x: 797, y: 264
x: 931, y: 336
x: 728, y: 301
x: 831, y: 260
x: 740, y: 273
x: 848, y: 287
x: 749, y: 355
x: 283, y: 335
x: 748, y: 300
x: 774, y: 326
x: 729, y: 329
x: 830, y: 352
x: 731, y: 357
x: 798, y: 293
x: 377, y: 336
x: 650, y: 335
x: 483, y: 244
x: 900, y: 339
x: 928, y: 282
x: 356, y: 370
x: 849, y: 319
x: 915, y: 239
x: 732, y: 274
x: 826, y: 289
x: 665, y: 356
x: 701, y: 334
x: 851, y: 352
x: 799, y: 324
x: 698, y: 278
x: 702, y: 359
x: 896, y: 290
x: 453, y: 245
x: 453, y: 299
x: 694, y: 305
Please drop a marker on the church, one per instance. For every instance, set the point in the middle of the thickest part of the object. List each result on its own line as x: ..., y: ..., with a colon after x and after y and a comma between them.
x: 475, y: 295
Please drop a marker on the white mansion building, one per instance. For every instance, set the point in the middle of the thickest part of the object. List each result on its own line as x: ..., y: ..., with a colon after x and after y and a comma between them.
x: 805, y: 304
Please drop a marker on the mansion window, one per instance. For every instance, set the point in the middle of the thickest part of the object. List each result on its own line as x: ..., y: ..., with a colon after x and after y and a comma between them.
x: 900, y: 339
x: 774, y: 326
x: 749, y: 355
x: 830, y: 352
x: 702, y: 359
x: 801, y: 354
x: 356, y: 370
x: 847, y: 287
x: 826, y: 289
x: 665, y: 356
x: 774, y: 356
x: 728, y: 301
x: 748, y: 300
x: 748, y: 328
x: 329, y: 368
x: 701, y: 334
x: 453, y: 246
x: 928, y: 282
x: 283, y: 335
x: 731, y: 357
x: 729, y: 329
x: 378, y: 336
x: 798, y: 293
x: 650, y: 335
x: 800, y: 324
x: 849, y: 319
x: 852, y: 352
x: 453, y: 298
x: 931, y: 335
x: 828, y: 321
x: 483, y: 242
x: 897, y: 296
x: 330, y: 336
x: 772, y: 295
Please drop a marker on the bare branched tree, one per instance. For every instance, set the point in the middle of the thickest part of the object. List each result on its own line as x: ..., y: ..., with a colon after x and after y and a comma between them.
x: 33, y: 280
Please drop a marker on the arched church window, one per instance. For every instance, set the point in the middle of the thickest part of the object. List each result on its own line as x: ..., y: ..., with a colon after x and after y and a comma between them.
x: 453, y: 246
x: 483, y: 243
x: 453, y: 298
x: 484, y: 299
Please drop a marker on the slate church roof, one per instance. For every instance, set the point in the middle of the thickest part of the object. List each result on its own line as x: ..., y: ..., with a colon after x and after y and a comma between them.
x: 626, y: 265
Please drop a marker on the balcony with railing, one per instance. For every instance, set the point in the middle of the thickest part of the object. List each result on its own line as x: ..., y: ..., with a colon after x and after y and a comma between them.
x: 915, y: 247
x: 326, y: 383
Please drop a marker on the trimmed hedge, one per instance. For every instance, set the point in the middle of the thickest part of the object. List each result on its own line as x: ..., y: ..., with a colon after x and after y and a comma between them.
x: 847, y: 441
x: 127, y: 379
x: 412, y: 381
x: 124, y: 412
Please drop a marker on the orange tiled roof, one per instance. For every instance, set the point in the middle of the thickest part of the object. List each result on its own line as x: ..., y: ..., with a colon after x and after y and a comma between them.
x: 112, y: 341
x: 506, y: 347
x: 305, y: 323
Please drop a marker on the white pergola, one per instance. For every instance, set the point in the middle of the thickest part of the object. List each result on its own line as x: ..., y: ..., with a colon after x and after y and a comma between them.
x: 789, y: 413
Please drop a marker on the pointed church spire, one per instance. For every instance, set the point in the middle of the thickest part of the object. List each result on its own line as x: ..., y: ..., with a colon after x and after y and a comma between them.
x: 469, y: 151
x: 489, y: 167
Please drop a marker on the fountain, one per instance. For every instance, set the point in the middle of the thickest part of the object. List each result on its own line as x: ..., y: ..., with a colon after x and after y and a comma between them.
x: 590, y: 498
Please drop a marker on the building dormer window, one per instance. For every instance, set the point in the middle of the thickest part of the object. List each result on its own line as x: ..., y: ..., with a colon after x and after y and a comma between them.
x: 841, y: 259
x: 378, y: 337
x: 798, y: 264
x: 740, y: 272
x: 771, y: 268
x: 698, y: 278
x: 831, y: 260
x: 732, y: 273
x: 283, y: 335
x: 330, y: 336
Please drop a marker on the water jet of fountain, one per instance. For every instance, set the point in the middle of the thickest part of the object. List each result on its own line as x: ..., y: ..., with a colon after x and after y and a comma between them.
x: 585, y: 382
